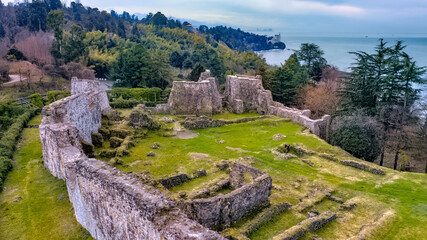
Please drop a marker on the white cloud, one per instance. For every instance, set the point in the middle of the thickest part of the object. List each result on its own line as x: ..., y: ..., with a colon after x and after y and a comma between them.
x: 298, y: 7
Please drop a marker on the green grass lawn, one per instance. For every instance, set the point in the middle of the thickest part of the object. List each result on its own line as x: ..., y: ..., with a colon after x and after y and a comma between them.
x: 34, y: 204
x: 405, y: 194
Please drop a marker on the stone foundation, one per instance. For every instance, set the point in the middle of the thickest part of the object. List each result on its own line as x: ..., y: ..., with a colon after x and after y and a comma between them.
x: 109, y: 203
x: 221, y: 211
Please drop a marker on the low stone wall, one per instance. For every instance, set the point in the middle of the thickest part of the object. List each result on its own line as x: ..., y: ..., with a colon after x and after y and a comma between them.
x: 221, y: 211
x: 109, y: 203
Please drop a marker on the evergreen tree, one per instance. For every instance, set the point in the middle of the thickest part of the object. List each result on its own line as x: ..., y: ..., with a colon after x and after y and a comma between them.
x: 38, y: 16
x: 382, y: 85
x: 132, y: 67
x: 55, y: 20
x: 74, y: 47
x: 176, y: 59
x: 195, y: 73
x: 2, y: 31
x: 159, y: 19
x: 312, y: 56
x: 287, y: 80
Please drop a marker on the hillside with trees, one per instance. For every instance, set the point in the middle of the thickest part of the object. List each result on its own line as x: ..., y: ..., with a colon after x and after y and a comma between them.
x: 148, y: 52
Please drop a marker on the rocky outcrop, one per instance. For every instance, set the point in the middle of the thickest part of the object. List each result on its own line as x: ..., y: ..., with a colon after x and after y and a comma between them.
x: 109, y: 203
x: 221, y: 211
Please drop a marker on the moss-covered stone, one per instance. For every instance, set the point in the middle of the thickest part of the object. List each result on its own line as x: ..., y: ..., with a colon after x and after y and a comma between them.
x: 115, y: 142
x: 88, y: 148
x: 140, y: 118
x: 114, y: 115
x: 108, y: 153
x: 120, y: 133
x: 104, y: 132
x: 97, y: 139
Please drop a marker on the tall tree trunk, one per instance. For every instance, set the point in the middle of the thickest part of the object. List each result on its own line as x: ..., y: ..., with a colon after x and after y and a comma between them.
x: 396, y: 159
x: 382, y: 157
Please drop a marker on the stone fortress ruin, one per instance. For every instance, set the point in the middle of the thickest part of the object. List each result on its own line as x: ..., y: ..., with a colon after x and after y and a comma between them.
x: 112, y: 204
x: 242, y: 93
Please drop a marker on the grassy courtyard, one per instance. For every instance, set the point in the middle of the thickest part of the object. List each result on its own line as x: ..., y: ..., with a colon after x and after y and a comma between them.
x: 35, y: 205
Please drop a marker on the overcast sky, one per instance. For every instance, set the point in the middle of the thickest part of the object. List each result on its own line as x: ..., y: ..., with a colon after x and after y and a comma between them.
x: 291, y: 17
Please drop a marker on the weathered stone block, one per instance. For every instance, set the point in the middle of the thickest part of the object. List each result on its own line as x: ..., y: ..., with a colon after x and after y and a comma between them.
x: 139, y: 118
x: 175, y: 180
x: 115, y: 142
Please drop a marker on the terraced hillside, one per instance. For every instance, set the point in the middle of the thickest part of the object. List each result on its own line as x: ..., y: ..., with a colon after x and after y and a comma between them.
x: 318, y: 192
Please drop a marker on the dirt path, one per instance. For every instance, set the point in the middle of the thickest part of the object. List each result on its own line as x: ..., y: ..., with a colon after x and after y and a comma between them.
x: 15, y: 79
x: 183, y: 133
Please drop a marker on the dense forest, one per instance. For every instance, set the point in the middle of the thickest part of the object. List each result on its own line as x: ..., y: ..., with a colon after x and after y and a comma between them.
x: 148, y: 52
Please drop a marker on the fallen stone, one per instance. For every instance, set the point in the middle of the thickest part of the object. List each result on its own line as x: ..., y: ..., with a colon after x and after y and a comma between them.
x: 155, y: 145
x: 120, y: 133
x: 278, y: 137
x: 108, y: 153
x: 223, y: 164
x: 114, y: 115
x: 199, y: 173
x: 151, y: 154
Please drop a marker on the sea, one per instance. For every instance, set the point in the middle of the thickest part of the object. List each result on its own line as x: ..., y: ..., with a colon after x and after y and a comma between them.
x: 337, y: 50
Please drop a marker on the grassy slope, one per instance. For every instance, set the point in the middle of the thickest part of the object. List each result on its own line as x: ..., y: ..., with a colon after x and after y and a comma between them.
x: 34, y: 204
x: 404, y: 194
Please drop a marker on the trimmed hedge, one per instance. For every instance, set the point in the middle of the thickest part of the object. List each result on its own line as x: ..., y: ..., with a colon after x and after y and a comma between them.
x: 37, y: 100
x: 121, y: 103
x: 8, y: 144
x: 139, y: 94
x: 53, y: 96
x: 10, y: 109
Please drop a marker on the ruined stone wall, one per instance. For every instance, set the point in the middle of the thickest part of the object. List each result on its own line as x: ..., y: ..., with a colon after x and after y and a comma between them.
x: 245, y: 93
x: 107, y: 202
x: 221, y: 211
x: 200, y: 98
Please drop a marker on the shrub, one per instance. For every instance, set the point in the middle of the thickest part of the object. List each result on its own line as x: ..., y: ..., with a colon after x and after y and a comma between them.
x: 358, y: 135
x: 7, y: 144
x: 139, y: 94
x: 121, y: 103
x: 37, y: 100
x: 11, y: 109
x: 53, y: 96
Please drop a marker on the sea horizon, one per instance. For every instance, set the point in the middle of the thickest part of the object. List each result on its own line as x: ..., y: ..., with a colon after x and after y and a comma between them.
x: 337, y: 49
